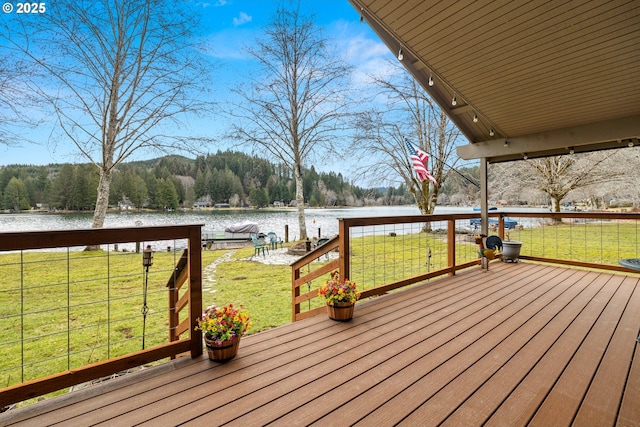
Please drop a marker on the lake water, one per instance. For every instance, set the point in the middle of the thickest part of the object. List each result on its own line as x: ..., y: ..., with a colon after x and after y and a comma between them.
x: 267, y: 219
x: 323, y: 221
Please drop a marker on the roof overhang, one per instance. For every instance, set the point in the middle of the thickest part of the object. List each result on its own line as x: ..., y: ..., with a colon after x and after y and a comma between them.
x: 611, y: 134
x: 547, y: 78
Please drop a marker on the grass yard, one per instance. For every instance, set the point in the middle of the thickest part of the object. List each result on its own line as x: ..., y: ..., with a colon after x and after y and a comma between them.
x: 264, y: 290
x: 603, y: 242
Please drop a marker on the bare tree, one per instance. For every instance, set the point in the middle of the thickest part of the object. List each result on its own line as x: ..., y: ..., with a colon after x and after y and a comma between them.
x: 18, y: 105
x: 121, y: 75
x: 626, y: 162
x: 295, y: 110
x: 408, y: 112
x: 557, y: 176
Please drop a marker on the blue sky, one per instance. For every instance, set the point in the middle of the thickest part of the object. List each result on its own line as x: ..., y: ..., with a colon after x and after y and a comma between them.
x: 227, y: 25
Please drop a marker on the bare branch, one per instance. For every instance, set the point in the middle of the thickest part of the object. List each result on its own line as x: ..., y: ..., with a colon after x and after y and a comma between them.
x: 406, y: 111
x: 297, y: 108
x: 120, y: 77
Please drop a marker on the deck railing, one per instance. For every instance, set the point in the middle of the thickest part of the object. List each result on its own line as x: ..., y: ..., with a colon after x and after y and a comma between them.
x: 80, y: 312
x: 583, y: 239
x: 385, y: 253
x: 69, y: 316
x: 382, y: 254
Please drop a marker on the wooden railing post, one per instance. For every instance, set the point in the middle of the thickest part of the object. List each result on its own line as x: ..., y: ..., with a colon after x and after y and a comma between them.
x: 179, y: 277
x: 295, y: 293
x: 195, y: 289
x: 451, y: 246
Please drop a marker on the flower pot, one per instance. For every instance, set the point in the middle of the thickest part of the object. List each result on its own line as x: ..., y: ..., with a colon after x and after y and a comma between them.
x: 227, y: 350
x: 511, y: 250
x: 341, y: 311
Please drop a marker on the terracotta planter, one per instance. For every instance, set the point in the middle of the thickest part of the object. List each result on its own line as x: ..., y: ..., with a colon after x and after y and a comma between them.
x: 227, y: 350
x: 341, y: 311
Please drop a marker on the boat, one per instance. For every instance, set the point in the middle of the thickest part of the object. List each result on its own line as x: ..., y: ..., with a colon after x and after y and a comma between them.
x: 508, y: 222
x: 233, y: 235
x: 243, y: 230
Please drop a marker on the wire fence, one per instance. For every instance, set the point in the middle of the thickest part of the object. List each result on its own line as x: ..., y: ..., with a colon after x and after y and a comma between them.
x: 66, y: 308
x: 392, y: 252
x: 598, y: 238
x: 381, y: 254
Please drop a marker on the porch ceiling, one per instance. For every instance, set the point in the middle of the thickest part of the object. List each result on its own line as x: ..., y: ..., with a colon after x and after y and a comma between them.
x: 545, y: 76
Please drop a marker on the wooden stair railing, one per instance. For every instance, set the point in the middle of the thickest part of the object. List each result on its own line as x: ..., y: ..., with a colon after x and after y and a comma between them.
x: 298, y: 279
x: 176, y: 302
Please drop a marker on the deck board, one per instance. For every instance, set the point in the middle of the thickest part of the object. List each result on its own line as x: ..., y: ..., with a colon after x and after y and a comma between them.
x: 563, y: 401
x: 512, y: 374
x: 519, y: 349
x: 602, y: 401
x: 532, y: 317
x: 630, y: 409
x: 385, y: 359
x: 520, y: 344
x: 565, y: 337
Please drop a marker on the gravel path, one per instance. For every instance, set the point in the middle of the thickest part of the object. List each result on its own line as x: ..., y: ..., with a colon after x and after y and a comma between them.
x: 273, y: 257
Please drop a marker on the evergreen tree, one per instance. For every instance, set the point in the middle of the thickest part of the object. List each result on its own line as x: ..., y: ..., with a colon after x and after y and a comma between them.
x: 138, y: 194
x: 152, y: 190
x: 167, y: 196
x: 201, y: 187
x: 259, y: 197
x: 15, y: 195
x: 62, y: 195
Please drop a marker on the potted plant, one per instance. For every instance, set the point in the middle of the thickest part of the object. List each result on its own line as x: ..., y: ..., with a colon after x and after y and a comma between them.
x: 223, y: 327
x: 340, y: 296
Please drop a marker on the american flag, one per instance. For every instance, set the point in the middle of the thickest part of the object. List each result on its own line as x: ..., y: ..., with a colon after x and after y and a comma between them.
x: 419, y: 160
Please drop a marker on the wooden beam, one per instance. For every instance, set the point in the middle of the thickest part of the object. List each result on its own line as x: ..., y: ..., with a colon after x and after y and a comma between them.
x: 606, y: 135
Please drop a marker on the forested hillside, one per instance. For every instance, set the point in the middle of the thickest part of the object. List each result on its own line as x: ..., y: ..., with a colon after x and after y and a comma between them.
x: 174, y: 181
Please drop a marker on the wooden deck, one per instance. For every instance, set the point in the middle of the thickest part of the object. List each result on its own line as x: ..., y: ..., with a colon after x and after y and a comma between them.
x: 521, y: 344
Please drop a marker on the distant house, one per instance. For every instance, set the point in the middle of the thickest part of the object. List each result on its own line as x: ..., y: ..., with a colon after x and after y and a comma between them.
x: 201, y: 204
x: 125, y: 204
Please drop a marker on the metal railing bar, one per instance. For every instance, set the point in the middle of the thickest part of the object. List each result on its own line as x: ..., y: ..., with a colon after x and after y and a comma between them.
x: 22, y: 316
x: 68, y: 309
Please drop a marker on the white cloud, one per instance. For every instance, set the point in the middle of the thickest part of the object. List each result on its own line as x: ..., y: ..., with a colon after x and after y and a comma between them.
x: 206, y: 4
x: 242, y: 19
x: 364, y: 51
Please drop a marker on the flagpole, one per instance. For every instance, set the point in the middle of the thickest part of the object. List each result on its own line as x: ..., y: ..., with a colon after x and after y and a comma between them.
x: 453, y: 169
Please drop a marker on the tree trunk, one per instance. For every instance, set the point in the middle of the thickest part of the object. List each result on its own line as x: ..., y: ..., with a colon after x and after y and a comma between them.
x: 300, y: 203
x: 555, y: 207
x: 426, y: 201
x: 102, y: 203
